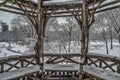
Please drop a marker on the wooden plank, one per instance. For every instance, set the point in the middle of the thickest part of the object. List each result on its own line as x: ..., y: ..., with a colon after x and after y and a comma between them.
x: 19, y: 73
x: 101, y: 73
x: 62, y: 67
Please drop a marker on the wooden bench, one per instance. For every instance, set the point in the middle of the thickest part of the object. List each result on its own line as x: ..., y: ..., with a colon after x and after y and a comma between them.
x: 61, y: 67
x: 19, y: 73
x: 61, y: 70
x: 101, y: 73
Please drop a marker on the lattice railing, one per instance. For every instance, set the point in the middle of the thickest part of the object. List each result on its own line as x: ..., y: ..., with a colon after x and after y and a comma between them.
x: 16, y: 62
x: 98, y: 60
x: 104, y: 61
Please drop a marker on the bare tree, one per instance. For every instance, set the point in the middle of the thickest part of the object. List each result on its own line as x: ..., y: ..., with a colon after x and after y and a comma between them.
x: 101, y: 22
x: 24, y: 26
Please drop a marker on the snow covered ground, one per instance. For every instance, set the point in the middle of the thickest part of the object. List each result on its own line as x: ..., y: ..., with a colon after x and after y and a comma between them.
x: 4, y: 52
x: 100, y: 47
x: 94, y: 47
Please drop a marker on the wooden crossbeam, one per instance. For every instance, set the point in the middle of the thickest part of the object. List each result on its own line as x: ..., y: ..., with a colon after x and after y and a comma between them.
x: 93, y: 62
x: 12, y: 66
x: 29, y: 62
x: 52, y: 60
x: 108, y: 66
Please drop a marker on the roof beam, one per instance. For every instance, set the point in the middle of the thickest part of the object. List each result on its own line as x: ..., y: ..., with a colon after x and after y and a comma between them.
x: 16, y: 8
x: 109, y: 3
x: 106, y: 9
x: 10, y: 11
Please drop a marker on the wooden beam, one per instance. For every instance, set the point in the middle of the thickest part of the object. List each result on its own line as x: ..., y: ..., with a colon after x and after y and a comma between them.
x: 106, y: 9
x: 10, y: 11
x: 17, y: 8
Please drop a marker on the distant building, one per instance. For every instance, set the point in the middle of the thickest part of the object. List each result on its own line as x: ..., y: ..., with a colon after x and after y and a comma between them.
x: 4, y: 27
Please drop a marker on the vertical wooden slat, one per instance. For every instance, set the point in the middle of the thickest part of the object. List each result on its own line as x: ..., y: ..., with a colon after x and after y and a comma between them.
x: 81, y: 71
x: 100, y: 63
x: 118, y: 67
x: 22, y: 63
x: 2, y: 68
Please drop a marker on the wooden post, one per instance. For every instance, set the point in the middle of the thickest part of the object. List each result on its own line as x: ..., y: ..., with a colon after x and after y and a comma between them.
x: 40, y: 32
x: 22, y: 63
x: 100, y: 63
x: 2, y: 68
x: 81, y: 72
x: 118, y: 67
x: 40, y: 38
x: 85, y: 31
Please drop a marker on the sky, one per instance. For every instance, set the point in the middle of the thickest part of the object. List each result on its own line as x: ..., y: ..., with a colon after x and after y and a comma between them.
x: 6, y: 17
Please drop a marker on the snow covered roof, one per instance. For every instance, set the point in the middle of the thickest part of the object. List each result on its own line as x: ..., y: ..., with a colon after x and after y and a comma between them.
x: 58, y: 2
x: 62, y: 2
x: 100, y: 5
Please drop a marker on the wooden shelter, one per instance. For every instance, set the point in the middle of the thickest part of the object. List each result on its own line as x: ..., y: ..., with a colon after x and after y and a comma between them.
x: 40, y: 11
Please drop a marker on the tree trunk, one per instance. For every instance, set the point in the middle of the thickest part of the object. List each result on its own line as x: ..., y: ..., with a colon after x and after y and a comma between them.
x: 111, y: 39
x: 69, y: 42
x: 119, y: 38
x: 104, y: 37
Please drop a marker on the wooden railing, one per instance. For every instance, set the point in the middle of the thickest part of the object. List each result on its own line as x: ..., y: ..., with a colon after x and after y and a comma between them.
x: 16, y: 62
x: 98, y: 60
x: 104, y: 61
x: 94, y: 59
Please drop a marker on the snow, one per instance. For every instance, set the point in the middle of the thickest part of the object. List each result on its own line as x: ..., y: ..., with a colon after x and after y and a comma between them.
x: 62, y: 67
x: 19, y: 72
x: 97, y: 47
x: 22, y: 49
x: 4, y: 52
x: 59, y: 2
x: 54, y: 47
x: 99, y: 72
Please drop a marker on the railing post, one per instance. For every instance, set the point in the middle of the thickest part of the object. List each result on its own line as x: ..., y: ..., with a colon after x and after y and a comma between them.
x: 22, y: 63
x: 100, y: 63
x: 42, y: 71
x: 118, y: 67
x: 80, y: 71
x: 2, y: 68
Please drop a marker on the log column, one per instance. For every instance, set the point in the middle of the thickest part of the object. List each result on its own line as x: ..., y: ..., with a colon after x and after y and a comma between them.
x: 39, y: 54
x: 40, y: 39
x: 84, y: 31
